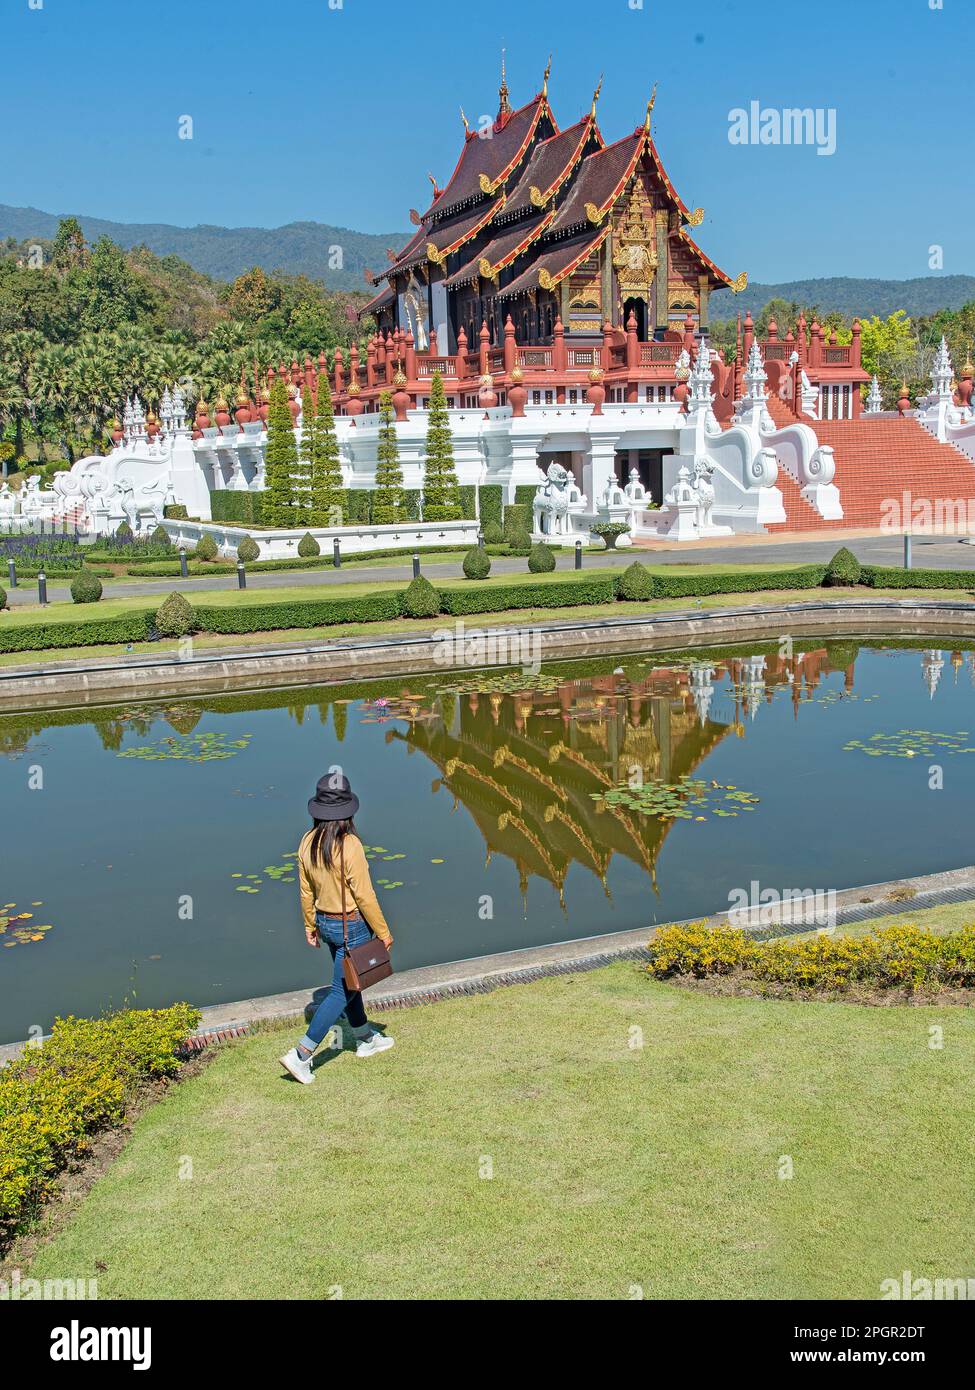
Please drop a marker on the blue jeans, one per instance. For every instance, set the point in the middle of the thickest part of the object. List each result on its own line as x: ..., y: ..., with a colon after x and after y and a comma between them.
x: 339, y: 998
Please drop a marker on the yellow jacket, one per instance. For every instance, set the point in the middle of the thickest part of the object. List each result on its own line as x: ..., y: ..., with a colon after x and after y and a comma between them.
x: 321, y: 889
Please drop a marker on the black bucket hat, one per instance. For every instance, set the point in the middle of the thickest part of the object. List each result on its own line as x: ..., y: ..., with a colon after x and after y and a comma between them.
x: 334, y: 799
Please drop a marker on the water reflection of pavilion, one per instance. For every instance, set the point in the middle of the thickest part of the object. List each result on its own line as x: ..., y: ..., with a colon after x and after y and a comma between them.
x: 526, y: 763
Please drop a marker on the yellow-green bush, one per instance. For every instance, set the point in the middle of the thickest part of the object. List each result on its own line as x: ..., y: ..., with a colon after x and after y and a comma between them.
x: 53, y: 1098
x: 898, y: 957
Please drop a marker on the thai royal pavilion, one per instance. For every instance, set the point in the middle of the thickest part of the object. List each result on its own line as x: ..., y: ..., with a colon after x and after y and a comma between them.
x: 554, y: 286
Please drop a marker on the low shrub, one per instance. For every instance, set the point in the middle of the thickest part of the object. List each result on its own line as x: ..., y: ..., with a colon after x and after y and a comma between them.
x: 477, y: 563
x: 844, y: 568
x: 3, y: 599
x: 160, y: 536
x: 380, y: 606
x: 517, y: 517
x: 84, y: 1078
x: 248, y: 550
x: 899, y: 957
x: 206, y: 548
x: 40, y: 637
x: 519, y: 543
x: 884, y: 577
x: 176, y: 511
x: 496, y: 596
x: 541, y: 558
x: 492, y: 533
x: 635, y: 583
x: 308, y: 546
x: 667, y: 585
x: 438, y: 513
x: 175, y: 617
x: 421, y: 599
x: 86, y: 587
x: 610, y: 531
x: 123, y: 533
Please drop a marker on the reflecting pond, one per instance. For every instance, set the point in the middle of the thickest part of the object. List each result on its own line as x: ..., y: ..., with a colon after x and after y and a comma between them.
x: 148, y: 849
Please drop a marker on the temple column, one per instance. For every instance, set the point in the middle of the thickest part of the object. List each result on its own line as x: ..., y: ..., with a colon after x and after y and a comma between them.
x: 610, y: 312
x: 704, y: 291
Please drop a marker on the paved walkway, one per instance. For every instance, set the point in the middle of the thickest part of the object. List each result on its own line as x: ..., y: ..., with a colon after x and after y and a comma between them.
x: 929, y: 553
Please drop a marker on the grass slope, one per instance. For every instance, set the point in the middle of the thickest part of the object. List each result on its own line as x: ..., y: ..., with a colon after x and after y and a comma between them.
x: 613, y: 1166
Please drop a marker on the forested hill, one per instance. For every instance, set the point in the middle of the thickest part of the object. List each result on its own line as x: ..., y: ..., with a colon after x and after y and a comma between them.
x: 300, y: 248
x: 924, y: 295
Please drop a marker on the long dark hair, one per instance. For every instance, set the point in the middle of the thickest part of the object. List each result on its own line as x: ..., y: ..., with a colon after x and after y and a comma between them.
x: 326, y: 837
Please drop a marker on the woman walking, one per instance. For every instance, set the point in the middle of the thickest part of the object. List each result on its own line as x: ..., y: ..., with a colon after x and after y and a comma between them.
x: 334, y: 876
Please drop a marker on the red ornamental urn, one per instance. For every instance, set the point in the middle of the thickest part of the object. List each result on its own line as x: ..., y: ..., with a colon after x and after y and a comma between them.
x: 221, y: 414
x: 353, y: 405
x: 117, y: 432
x: 294, y: 405
x: 202, y: 415
x: 517, y: 395
x: 401, y: 397
x: 596, y: 393
x: 904, y: 399
x: 243, y: 412
x: 487, y: 396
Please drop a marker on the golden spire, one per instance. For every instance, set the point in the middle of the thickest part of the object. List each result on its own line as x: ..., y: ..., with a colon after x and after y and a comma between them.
x: 650, y: 105
x: 546, y: 76
x: 464, y: 119
x: 595, y: 97
x: 504, y: 105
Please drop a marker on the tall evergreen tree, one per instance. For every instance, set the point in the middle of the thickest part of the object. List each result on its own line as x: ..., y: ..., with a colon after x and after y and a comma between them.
x: 388, y: 501
x: 326, y: 471
x: 280, y: 459
x: 441, y: 494
x: 306, y: 455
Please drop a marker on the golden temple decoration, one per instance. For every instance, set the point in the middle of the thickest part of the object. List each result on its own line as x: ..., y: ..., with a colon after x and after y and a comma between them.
x: 650, y: 106
x: 486, y: 269
x: 434, y: 255
x: 739, y: 284
x: 594, y: 214
x: 488, y: 185
x: 695, y: 218
x: 635, y: 248
x: 595, y: 97
x: 547, y: 74
x: 467, y: 127
x: 545, y: 280
x: 539, y: 199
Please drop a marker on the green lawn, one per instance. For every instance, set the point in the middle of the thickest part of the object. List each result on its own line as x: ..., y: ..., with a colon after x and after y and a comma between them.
x: 614, y: 1166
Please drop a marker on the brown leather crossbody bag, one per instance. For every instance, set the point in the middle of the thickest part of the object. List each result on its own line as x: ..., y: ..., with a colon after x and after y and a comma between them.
x: 362, y: 965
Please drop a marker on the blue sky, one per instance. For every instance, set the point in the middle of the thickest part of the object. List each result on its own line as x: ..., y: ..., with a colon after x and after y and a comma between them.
x: 334, y: 110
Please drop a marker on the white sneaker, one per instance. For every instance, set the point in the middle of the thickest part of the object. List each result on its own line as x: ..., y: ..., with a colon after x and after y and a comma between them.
x: 299, y: 1068
x: 376, y: 1042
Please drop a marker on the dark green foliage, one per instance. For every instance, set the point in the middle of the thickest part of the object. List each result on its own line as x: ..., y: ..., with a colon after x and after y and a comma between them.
x: 541, y: 558
x: 387, y: 499
x: 492, y: 504
x: 477, y: 563
x: 525, y: 496
x: 635, y: 583
x: 882, y: 577
x: 308, y: 546
x: 844, y: 568
x: 248, y: 550
x: 38, y: 637
x: 175, y: 617
x: 237, y: 508
x: 270, y: 617
x: 86, y: 587
x: 517, y: 517
x: 206, y: 548
x: 3, y: 599
x: 123, y: 531
x: 468, y: 501
x: 441, y: 495
x: 326, y: 470
x: 160, y: 536
x: 492, y: 533
x: 357, y: 506
x: 176, y: 511
x: 421, y: 599
x: 497, y: 596
x: 668, y: 585
x: 519, y: 542
x: 280, y: 460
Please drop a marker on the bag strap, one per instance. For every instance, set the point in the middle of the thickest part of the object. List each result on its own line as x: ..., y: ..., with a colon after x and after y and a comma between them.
x: 345, y: 920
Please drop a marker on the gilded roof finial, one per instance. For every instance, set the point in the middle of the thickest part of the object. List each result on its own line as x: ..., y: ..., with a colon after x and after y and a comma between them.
x: 546, y: 76
x: 650, y: 105
x: 467, y: 127
x: 504, y: 105
x: 595, y: 97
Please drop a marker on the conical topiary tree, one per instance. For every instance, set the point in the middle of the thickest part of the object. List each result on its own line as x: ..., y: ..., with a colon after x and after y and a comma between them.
x: 387, y: 504
x: 280, y: 458
x: 326, y: 471
x: 441, y: 495
x: 305, y: 468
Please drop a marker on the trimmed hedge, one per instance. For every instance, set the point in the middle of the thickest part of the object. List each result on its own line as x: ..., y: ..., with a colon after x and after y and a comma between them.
x: 541, y: 558
x: 564, y: 592
x: 517, y: 518
x: 882, y: 577
x: 175, y: 617
x: 492, y: 504
x: 3, y: 598
x: 420, y: 600
x: 635, y: 584
x: 273, y: 617
x: 82, y: 1080
x: 746, y: 582
x: 237, y: 508
x: 176, y: 511
x: 844, y: 568
x: 40, y: 637
x: 477, y: 563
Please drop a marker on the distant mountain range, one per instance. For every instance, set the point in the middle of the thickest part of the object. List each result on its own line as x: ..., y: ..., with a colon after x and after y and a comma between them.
x: 300, y: 248
x: 306, y: 248
x: 924, y: 295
